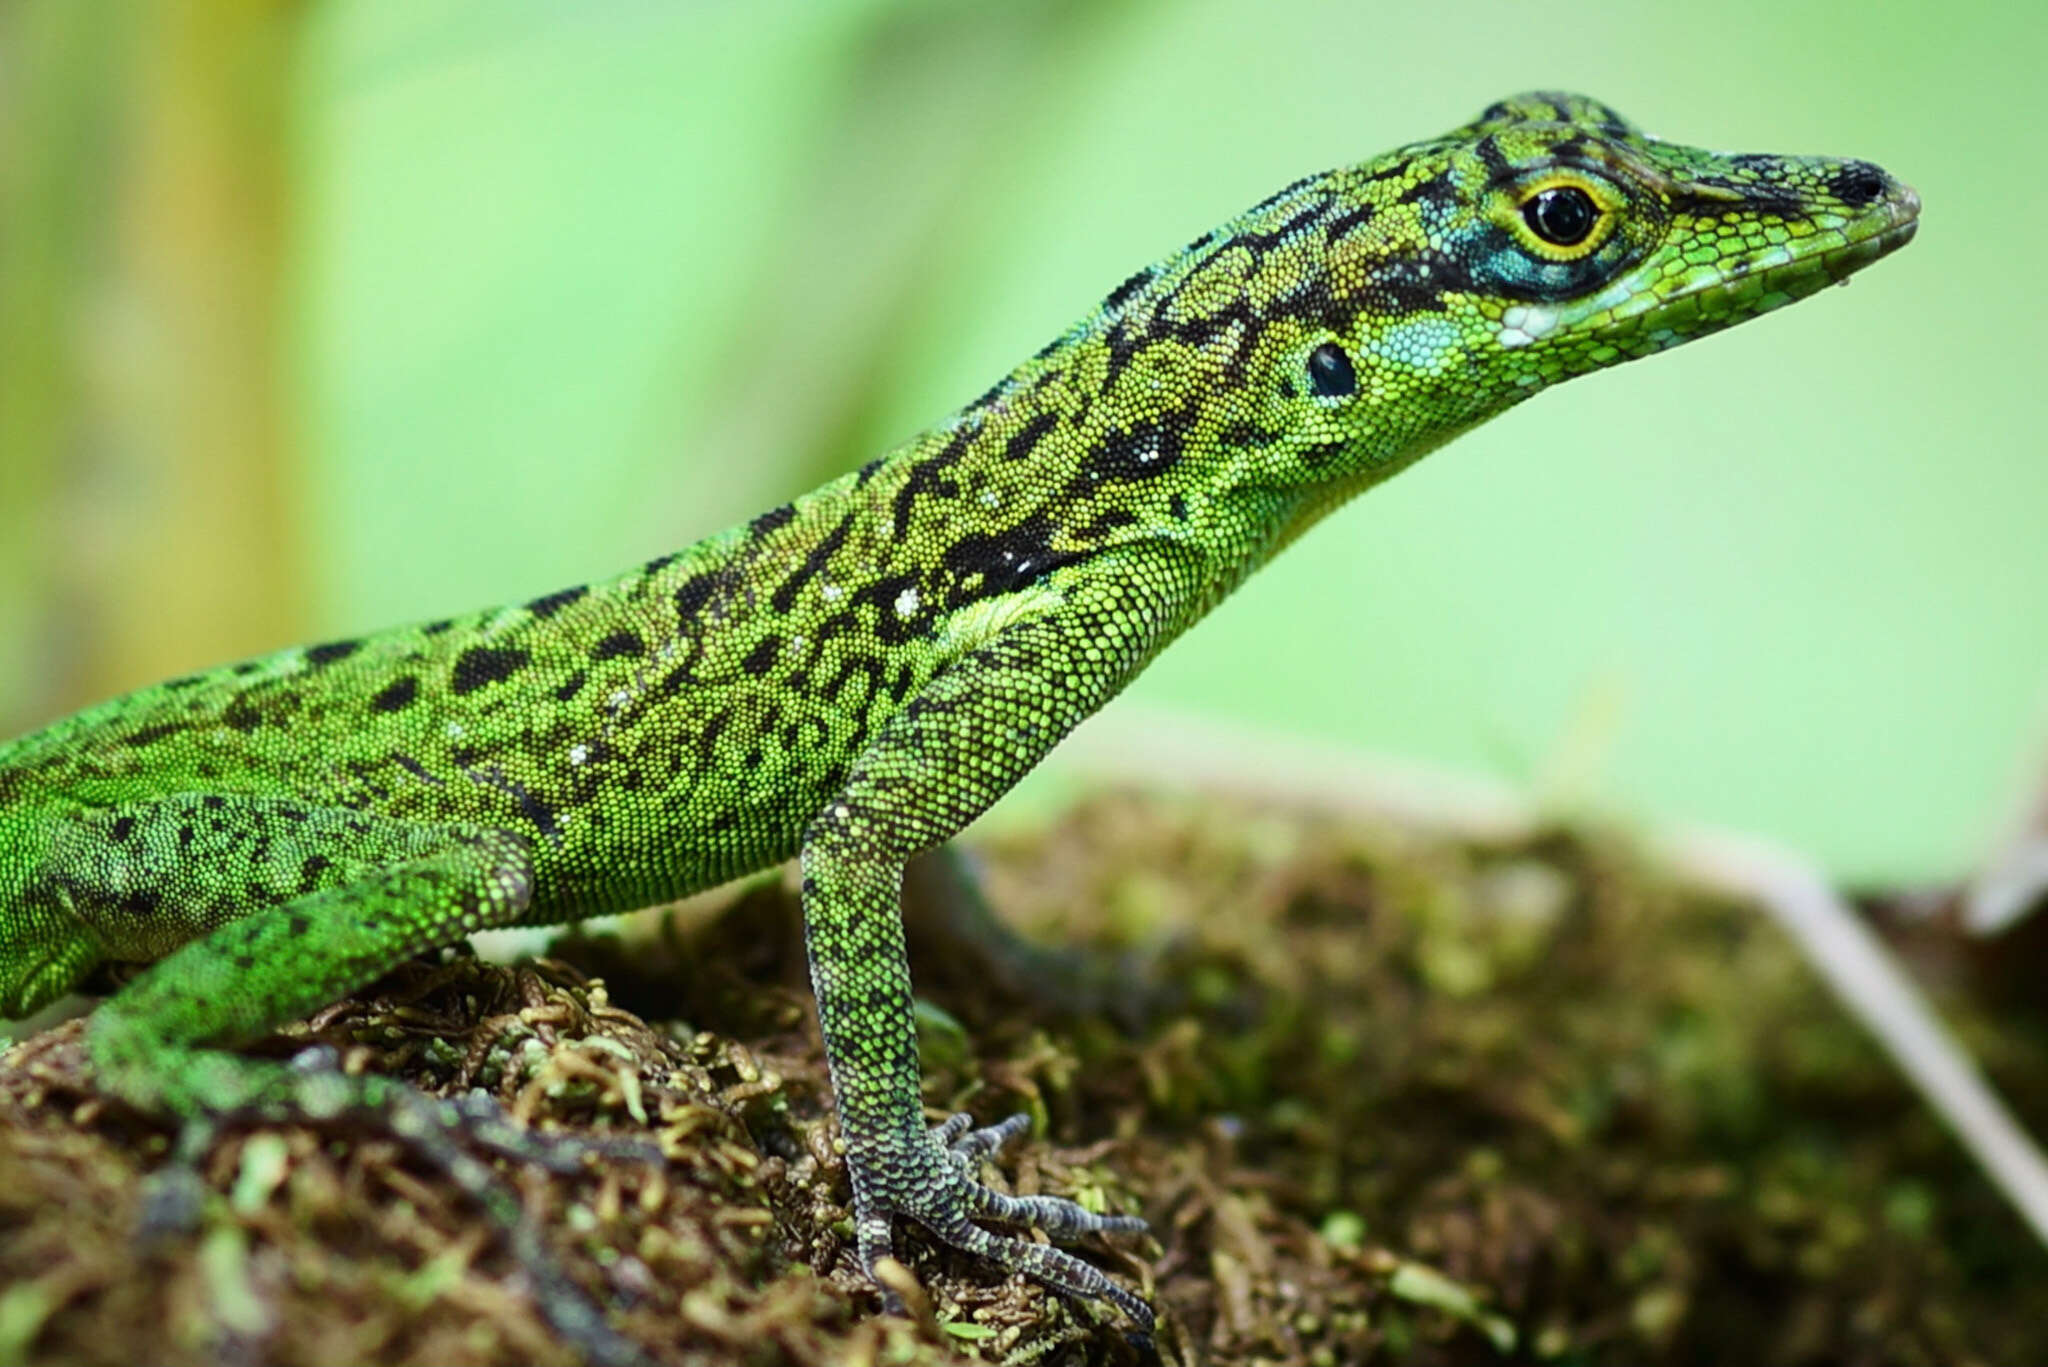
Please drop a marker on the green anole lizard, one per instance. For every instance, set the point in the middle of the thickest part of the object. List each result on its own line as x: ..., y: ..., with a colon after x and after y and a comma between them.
x: 852, y: 677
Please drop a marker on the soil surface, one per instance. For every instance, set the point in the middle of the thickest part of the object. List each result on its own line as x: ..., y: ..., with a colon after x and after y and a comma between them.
x: 1386, y: 1096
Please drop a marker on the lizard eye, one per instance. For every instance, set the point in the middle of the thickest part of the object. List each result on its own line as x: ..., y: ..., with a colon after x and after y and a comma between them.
x: 1330, y: 375
x: 1562, y: 215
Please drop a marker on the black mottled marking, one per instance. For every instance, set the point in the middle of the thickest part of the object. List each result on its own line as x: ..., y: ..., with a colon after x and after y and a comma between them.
x: 532, y: 808
x: 1026, y: 439
x: 1417, y: 282
x: 213, y: 802
x: 660, y: 563
x: 784, y: 597
x: 1493, y: 159
x: 1104, y: 523
x: 1321, y: 454
x: 572, y: 685
x: 481, y: 666
x: 1393, y: 170
x: 1343, y: 223
x: 928, y: 476
x: 707, y: 737
x: 246, y: 668
x: 985, y: 564
x: 331, y: 652
x: 1235, y: 317
x: 1261, y: 243
x: 988, y: 396
x: 178, y: 685
x: 866, y: 473
x: 142, y: 902
x: 1178, y: 507
x: 761, y: 658
x: 298, y: 923
x: 465, y: 756
x: 123, y: 827
x: 1123, y: 349
x: 1137, y: 280
x: 1248, y: 436
x: 695, y: 592
x: 436, y: 628
x: 553, y: 603
x: 415, y: 768
x: 891, y: 626
x: 772, y: 519
x: 1437, y: 192
x: 397, y: 695
x: 619, y: 643
x: 242, y: 714
x: 1761, y: 196
x: 1144, y: 450
x: 149, y: 735
x: 311, y: 869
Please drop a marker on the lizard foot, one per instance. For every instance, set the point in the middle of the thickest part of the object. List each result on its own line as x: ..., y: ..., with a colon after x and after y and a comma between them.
x: 932, y: 1180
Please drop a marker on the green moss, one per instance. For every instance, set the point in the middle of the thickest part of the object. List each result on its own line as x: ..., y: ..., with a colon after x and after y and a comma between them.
x: 1623, y: 1125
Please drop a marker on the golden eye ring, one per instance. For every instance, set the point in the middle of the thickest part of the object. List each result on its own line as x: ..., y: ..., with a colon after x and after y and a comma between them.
x: 1562, y: 216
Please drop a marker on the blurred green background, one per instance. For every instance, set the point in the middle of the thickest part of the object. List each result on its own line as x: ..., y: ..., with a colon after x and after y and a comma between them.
x: 322, y: 316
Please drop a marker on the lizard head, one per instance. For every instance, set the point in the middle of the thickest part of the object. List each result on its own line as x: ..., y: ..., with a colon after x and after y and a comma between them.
x: 1406, y: 298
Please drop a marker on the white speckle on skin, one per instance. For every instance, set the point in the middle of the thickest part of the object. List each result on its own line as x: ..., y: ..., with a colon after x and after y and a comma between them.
x: 455, y: 730
x: 906, y: 603
x: 578, y: 754
x: 620, y: 699
x: 832, y: 593
x: 989, y: 498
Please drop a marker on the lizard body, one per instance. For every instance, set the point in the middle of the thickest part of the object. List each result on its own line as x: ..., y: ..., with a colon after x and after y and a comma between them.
x: 852, y: 677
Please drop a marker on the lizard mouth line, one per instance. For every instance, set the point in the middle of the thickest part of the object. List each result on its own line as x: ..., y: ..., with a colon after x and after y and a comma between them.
x: 1868, y: 241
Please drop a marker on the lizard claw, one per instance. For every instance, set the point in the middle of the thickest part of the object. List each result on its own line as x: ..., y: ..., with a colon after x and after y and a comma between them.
x: 932, y: 1181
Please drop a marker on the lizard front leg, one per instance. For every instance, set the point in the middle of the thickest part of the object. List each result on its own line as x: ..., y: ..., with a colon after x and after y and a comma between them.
x: 382, y: 891
x: 980, y: 723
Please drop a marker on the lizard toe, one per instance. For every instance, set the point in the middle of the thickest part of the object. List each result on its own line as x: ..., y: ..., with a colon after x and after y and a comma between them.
x: 932, y: 1182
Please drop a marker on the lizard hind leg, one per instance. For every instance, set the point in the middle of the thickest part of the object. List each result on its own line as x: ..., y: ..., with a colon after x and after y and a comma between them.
x: 957, y: 937
x: 155, y: 1044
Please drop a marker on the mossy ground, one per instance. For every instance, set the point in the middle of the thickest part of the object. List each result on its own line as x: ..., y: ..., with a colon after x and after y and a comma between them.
x: 1406, y: 1099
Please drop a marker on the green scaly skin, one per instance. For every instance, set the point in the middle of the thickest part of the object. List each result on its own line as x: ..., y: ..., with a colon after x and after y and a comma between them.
x: 852, y: 677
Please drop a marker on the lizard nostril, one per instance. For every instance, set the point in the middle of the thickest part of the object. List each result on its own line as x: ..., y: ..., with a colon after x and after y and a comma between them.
x: 1858, y: 183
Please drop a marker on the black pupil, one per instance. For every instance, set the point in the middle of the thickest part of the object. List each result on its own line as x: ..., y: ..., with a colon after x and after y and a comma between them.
x: 1561, y: 216
x: 1330, y: 375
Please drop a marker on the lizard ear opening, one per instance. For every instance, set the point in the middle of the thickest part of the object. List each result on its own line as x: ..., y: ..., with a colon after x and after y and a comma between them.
x: 1330, y: 373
